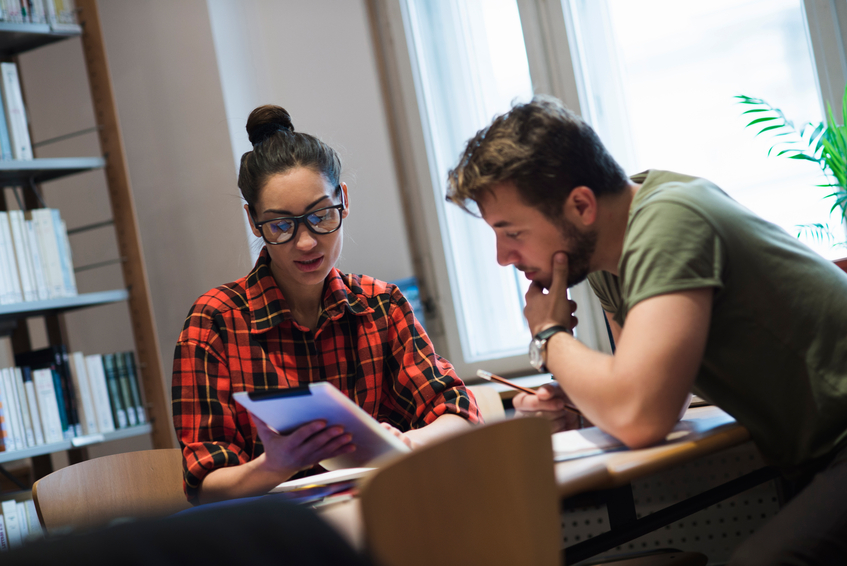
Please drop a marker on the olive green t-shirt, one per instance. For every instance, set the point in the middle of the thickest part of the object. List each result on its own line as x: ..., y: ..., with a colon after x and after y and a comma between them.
x: 776, y: 353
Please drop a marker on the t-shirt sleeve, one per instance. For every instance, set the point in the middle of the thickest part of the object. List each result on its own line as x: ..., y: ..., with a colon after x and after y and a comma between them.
x: 670, y: 247
x: 607, y: 289
x: 426, y: 385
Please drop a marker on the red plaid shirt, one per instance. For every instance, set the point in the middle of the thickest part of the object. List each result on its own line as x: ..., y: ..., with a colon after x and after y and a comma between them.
x: 241, y: 337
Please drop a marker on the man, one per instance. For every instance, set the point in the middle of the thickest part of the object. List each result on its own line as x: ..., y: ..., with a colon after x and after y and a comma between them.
x: 700, y: 294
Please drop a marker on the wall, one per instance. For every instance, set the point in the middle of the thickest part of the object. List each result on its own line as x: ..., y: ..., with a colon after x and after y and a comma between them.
x: 171, y: 111
x: 317, y: 60
x: 183, y: 128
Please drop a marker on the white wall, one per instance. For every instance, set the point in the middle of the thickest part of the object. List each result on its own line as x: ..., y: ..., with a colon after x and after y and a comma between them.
x: 317, y: 60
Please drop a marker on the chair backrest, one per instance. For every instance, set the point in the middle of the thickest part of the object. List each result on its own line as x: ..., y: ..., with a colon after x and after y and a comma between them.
x: 93, y: 493
x: 489, y: 402
x: 484, y: 497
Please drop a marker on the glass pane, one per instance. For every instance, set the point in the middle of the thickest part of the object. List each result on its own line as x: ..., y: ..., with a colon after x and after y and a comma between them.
x: 472, y: 64
x: 662, y: 76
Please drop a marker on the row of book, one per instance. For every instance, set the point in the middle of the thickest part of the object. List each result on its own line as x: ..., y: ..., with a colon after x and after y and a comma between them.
x: 53, y: 12
x: 19, y: 524
x: 35, y: 256
x: 51, y: 396
x: 14, y: 130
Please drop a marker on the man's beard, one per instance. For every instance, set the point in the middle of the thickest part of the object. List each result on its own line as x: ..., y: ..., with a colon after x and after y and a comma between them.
x: 583, y: 245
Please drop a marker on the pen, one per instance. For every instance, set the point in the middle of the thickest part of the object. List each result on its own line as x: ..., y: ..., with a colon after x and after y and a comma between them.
x: 487, y: 375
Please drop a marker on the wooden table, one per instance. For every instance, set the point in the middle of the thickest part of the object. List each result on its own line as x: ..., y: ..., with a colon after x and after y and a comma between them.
x: 608, y: 478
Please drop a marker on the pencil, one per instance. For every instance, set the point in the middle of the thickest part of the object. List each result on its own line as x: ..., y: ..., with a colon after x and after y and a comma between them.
x: 487, y: 375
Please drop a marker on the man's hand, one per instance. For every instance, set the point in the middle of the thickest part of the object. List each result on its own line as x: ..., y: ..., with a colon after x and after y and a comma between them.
x: 553, y: 308
x: 304, y: 447
x: 548, y: 402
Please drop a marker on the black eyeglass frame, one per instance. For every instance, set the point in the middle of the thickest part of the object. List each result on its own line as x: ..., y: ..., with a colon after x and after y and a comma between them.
x: 297, y: 220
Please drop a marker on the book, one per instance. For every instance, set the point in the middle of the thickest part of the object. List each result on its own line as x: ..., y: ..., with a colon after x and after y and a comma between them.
x: 35, y: 529
x: 132, y: 372
x: 4, y: 540
x: 56, y: 358
x: 82, y: 389
x: 47, y: 405
x: 7, y: 269
x: 5, y: 141
x: 48, y: 248
x: 16, y: 441
x: 22, y: 521
x: 17, y: 378
x: 4, y: 427
x: 13, y: 528
x: 23, y: 255
x: 37, y: 262
x: 11, y: 260
x: 32, y: 402
x: 126, y: 394
x: 287, y: 409
x: 100, y: 393
x: 65, y: 260
x: 15, y: 112
x: 326, y: 478
x: 115, y: 397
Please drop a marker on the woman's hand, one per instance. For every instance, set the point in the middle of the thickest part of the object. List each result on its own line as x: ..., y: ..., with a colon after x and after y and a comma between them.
x: 553, y: 308
x: 548, y: 402
x: 304, y: 447
x: 404, y: 436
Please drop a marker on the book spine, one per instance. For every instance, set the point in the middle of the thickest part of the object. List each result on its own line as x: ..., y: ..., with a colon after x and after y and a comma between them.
x: 132, y: 372
x: 35, y: 530
x: 22, y: 522
x: 15, y: 111
x: 126, y: 395
x: 9, y: 245
x: 114, y: 391
x: 43, y: 220
x: 63, y: 366
x: 29, y: 433
x: 23, y: 255
x: 16, y: 439
x: 13, y: 528
x: 37, y: 261
x: 100, y: 392
x: 32, y: 401
x: 5, y: 141
x: 65, y: 254
x: 4, y: 426
x: 4, y: 540
x: 79, y: 376
x: 67, y: 430
x: 50, y: 9
x: 7, y: 294
x: 47, y: 404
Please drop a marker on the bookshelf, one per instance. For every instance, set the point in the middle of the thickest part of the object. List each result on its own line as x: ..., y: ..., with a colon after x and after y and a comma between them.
x: 28, y: 175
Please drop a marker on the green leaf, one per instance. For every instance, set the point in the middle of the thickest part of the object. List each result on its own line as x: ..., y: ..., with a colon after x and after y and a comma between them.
x: 759, y: 120
x: 763, y: 130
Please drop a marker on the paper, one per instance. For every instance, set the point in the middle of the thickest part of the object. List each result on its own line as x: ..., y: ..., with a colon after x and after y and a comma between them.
x: 582, y: 443
x: 327, y: 478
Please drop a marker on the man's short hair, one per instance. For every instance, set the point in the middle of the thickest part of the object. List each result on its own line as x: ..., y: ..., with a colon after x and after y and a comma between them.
x: 544, y: 149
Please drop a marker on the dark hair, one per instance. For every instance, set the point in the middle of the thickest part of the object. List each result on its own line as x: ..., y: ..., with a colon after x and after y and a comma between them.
x: 277, y: 148
x: 544, y: 149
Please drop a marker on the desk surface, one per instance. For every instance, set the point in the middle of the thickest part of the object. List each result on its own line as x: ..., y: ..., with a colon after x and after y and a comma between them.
x: 618, y: 468
x: 588, y: 474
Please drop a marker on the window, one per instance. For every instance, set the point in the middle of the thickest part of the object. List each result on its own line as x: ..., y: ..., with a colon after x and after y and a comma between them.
x: 656, y: 78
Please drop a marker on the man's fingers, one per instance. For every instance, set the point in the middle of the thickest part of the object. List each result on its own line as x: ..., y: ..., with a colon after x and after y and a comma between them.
x: 560, y: 273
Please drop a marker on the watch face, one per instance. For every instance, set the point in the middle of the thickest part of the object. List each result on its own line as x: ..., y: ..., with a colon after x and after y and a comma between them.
x: 536, y: 358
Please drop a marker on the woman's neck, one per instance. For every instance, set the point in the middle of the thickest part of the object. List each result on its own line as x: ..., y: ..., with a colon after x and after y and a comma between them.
x: 304, y: 302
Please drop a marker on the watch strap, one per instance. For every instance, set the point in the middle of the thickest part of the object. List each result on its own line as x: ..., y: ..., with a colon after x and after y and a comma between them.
x: 548, y: 332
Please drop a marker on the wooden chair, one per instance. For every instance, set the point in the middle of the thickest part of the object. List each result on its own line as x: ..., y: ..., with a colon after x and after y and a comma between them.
x: 489, y: 402
x: 484, y: 497
x: 93, y: 493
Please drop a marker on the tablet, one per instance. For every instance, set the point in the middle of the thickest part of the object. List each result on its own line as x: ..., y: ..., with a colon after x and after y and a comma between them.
x: 287, y: 409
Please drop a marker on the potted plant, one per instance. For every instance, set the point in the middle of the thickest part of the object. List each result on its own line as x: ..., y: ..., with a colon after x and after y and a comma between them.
x: 824, y: 144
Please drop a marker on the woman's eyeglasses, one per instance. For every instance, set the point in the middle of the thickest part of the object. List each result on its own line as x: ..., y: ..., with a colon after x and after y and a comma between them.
x: 280, y: 230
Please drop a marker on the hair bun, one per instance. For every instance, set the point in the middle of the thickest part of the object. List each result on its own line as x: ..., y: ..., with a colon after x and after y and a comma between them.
x: 265, y: 121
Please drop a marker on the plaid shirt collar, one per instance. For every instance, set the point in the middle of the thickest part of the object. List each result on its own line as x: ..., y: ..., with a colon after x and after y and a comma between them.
x: 269, y: 308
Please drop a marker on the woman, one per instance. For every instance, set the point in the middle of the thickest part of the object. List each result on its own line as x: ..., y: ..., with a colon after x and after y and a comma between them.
x: 296, y: 319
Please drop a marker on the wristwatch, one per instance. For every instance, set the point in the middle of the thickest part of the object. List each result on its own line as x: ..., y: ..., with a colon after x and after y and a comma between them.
x: 538, y: 346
